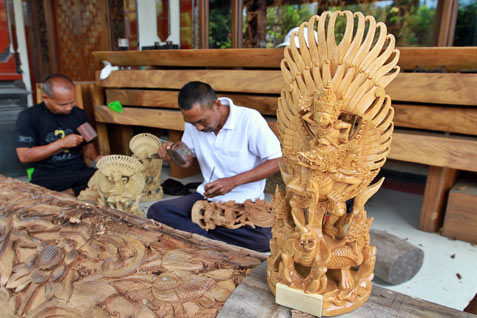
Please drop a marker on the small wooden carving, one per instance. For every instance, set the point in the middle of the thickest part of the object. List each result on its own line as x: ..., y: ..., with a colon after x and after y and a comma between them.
x: 144, y: 147
x: 335, y: 127
x: 61, y: 257
x: 120, y: 183
x: 209, y: 214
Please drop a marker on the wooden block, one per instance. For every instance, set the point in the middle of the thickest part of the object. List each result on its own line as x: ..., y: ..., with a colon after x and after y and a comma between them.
x: 461, y: 214
x: 397, y: 261
x: 299, y: 300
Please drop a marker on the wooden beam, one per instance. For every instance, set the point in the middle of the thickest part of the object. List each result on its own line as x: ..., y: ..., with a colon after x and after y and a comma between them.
x: 462, y: 120
x: 434, y: 149
x: 452, y: 89
x: 439, y: 181
x: 266, y: 105
x: 236, y: 21
x: 259, y: 58
x: 268, y: 81
x: 451, y: 59
x: 165, y: 119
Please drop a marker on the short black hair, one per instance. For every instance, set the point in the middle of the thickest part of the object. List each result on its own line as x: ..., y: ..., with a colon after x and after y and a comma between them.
x: 47, y: 84
x: 196, y: 92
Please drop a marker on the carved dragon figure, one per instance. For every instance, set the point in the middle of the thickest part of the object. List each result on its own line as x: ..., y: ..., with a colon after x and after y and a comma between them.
x: 335, y: 127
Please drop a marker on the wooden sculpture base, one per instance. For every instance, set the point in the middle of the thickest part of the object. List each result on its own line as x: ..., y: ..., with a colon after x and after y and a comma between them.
x: 299, y: 300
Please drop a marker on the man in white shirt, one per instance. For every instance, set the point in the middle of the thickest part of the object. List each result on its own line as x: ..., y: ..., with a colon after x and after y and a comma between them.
x: 236, y: 151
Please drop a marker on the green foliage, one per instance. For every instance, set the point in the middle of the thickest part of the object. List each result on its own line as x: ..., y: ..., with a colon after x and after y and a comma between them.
x: 281, y: 19
x: 466, y: 28
x: 220, y: 29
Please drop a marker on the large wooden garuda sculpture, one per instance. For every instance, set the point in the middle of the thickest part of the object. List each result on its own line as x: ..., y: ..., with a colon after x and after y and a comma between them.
x: 335, y: 126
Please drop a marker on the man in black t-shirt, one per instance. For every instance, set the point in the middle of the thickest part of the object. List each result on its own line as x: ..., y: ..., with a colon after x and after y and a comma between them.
x: 47, y: 136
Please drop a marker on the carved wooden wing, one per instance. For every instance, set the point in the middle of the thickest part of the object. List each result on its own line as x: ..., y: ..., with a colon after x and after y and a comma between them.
x: 354, y: 70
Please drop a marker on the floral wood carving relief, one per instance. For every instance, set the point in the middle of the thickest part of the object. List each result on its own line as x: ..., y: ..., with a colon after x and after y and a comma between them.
x: 335, y: 126
x: 61, y: 257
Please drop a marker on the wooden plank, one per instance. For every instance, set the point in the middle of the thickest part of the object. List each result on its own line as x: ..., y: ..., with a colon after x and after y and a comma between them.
x: 434, y: 149
x: 425, y: 58
x: 461, y: 217
x: 453, y: 89
x: 451, y: 59
x: 439, y: 181
x: 252, y: 298
x: 142, y: 97
x: 166, y: 119
x: 456, y: 119
x: 268, y: 81
x: 266, y: 105
x: 258, y: 58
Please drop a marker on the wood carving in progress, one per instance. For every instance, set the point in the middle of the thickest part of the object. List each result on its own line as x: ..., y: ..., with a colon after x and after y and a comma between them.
x: 61, y: 257
x: 144, y: 147
x: 335, y: 124
x: 120, y: 183
x: 210, y: 214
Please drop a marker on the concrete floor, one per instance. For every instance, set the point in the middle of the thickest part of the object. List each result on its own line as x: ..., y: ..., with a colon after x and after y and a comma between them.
x: 398, y: 213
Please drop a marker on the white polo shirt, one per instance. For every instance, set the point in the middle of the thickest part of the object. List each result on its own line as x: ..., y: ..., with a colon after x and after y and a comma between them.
x: 244, y: 142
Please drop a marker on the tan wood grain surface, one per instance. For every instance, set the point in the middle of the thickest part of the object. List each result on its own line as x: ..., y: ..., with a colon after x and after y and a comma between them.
x: 265, y: 81
x: 425, y: 58
x: 460, y: 218
x: 266, y: 105
x: 434, y: 149
x: 166, y: 119
x: 454, y: 89
x: 462, y: 120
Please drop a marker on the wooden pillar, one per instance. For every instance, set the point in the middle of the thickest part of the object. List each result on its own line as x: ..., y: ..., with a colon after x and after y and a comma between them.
x: 237, y: 9
x: 102, y: 129
x: 446, y: 19
x: 204, y: 23
x: 50, y: 21
x: 439, y: 181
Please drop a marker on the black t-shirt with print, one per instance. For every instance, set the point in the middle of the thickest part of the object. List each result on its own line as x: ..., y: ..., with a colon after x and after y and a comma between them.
x: 38, y: 126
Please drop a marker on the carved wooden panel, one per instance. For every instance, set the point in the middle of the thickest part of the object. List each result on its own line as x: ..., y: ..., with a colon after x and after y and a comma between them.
x: 82, y: 26
x: 60, y: 257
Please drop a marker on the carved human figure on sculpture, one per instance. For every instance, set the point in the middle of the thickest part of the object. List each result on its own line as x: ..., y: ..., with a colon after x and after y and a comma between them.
x: 236, y: 151
x: 47, y: 137
x: 335, y: 127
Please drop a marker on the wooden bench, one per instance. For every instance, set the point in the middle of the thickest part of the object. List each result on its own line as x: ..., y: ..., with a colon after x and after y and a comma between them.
x: 435, y: 120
